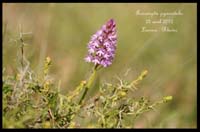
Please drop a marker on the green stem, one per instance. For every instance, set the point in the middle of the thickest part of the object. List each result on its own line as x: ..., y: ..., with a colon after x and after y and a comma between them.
x: 88, y: 85
x: 83, y: 96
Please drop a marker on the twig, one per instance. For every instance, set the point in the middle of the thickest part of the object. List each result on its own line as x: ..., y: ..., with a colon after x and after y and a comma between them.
x: 51, y: 116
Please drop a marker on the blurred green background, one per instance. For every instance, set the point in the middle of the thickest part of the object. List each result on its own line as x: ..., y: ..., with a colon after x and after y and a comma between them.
x: 62, y: 31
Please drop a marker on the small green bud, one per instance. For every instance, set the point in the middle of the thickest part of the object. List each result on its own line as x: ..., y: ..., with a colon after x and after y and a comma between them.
x: 167, y: 98
x: 46, y: 65
x: 48, y: 60
x: 143, y: 74
x: 122, y: 93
